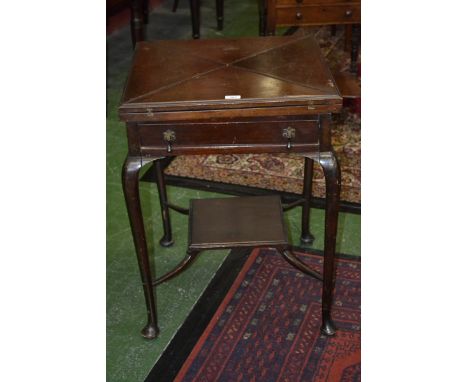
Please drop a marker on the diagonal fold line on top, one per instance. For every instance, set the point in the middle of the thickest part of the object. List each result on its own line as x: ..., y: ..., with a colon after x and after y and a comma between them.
x: 268, y: 49
x: 283, y: 79
x: 172, y: 84
x: 296, y: 39
x: 223, y: 65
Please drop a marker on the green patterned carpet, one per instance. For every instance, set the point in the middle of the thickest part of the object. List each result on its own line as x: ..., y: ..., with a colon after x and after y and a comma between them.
x: 129, y: 356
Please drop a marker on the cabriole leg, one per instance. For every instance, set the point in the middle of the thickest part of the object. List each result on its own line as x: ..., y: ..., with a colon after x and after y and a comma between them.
x: 130, y: 182
x: 331, y: 171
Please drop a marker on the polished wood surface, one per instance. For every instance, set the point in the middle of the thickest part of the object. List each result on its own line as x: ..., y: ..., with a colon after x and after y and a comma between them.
x: 252, y: 95
x: 199, y: 75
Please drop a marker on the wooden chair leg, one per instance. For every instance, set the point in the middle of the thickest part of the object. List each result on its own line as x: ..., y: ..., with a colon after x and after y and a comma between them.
x: 348, y: 36
x: 145, y: 11
x: 355, y: 39
x: 220, y: 13
x: 261, y: 18
x: 137, y: 25
x: 195, y: 12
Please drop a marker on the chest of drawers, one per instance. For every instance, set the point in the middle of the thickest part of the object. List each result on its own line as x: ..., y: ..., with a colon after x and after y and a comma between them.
x: 309, y: 12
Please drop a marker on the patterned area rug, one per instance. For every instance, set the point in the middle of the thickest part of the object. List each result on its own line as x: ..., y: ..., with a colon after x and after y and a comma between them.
x: 268, y: 326
x: 285, y: 172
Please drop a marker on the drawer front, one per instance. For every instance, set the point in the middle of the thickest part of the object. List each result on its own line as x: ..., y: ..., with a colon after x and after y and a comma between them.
x: 295, y: 3
x: 242, y: 137
x: 319, y: 14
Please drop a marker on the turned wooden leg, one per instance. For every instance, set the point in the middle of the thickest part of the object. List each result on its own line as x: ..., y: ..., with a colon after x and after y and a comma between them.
x: 166, y: 240
x: 220, y: 13
x: 145, y: 11
x: 130, y: 182
x: 355, y: 38
x: 331, y: 171
x: 261, y: 18
x: 195, y: 12
x: 348, y: 36
x: 306, y: 236
x: 137, y: 24
x: 269, y: 19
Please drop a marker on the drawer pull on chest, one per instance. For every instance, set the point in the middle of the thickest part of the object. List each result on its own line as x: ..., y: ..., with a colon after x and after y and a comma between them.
x: 169, y: 137
x: 289, y: 133
x: 349, y: 13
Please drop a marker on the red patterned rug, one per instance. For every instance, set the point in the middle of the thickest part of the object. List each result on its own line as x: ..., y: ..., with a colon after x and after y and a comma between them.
x: 285, y: 172
x: 268, y: 326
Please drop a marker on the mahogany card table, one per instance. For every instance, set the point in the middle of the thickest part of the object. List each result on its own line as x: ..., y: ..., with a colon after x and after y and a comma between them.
x: 231, y: 96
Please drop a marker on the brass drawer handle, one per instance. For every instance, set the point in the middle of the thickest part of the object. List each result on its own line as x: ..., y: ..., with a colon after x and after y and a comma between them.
x: 298, y: 15
x: 349, y: 13
x: 289, y: 133
x: 169, y: 137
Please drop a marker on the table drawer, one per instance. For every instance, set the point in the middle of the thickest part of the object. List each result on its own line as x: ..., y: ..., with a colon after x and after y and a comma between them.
x: 295, y: 3
x: 240, y: 137
x: 319, y: 14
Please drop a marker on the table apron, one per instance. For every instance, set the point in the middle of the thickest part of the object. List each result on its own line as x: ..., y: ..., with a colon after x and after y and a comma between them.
x: 319, y: 14
x: 234, y: 137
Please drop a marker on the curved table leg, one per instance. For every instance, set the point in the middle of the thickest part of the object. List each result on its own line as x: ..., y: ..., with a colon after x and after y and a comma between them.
x: 166, y: 240
x: 130, y: 182
x: 299, y: 264
x: 306, y: 236
x: 332, y: 174
x: 187, y: 260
